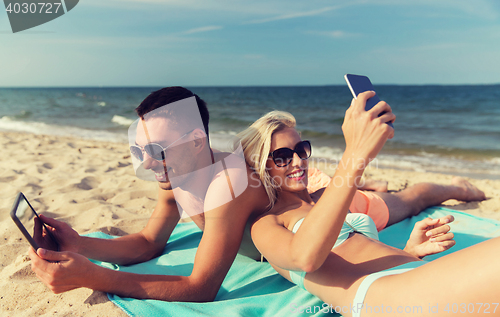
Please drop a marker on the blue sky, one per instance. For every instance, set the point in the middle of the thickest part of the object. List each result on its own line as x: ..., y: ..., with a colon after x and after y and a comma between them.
x: 234, y: 42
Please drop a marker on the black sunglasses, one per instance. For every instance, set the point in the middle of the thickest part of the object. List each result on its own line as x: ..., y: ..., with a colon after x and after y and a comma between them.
x: 284, y: 156
x: 154, y: 150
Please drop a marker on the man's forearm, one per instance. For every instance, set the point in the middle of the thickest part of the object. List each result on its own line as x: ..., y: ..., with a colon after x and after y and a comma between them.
x: 136, y: 247
x: 159, y: 287
x: 124, y: 250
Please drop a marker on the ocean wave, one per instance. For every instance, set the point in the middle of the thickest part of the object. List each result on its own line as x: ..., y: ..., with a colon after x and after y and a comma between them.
x: 222, y: 141
x: 122, y: 120
x: 422, y: 162
x: 21, y: 115
x: 495, y: 160
x: 330, y: 153
x: 486, y: 168
x: 8, y: 124
x: 222, y: 132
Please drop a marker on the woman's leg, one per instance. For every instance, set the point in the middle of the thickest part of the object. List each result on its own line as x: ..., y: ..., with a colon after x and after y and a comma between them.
x: 374, y: 185
x: 414, y: 199
x: 466, y: 282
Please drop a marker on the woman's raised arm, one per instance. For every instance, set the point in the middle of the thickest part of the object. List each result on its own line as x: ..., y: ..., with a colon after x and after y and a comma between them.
x: 365, y: 133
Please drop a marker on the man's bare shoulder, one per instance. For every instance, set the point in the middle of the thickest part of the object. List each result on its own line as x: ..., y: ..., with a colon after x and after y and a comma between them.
x: 245, y: 187
x: 234, y: 162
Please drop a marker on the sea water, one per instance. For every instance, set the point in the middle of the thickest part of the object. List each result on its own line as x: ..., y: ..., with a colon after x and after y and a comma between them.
x: 446, y: 129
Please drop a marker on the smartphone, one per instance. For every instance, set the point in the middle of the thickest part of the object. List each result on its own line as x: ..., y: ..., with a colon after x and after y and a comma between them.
x: 24, y: 215
x: 358, y: 84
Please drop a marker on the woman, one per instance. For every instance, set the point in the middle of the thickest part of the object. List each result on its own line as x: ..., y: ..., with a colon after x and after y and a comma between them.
x: 335, y: 255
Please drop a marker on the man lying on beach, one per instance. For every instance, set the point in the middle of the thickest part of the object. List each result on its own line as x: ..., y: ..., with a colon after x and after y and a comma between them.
x: 176, y: 155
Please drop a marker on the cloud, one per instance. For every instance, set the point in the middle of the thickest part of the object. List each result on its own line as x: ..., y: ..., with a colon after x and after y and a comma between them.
x: 293, y: 15
x: 203, y: 29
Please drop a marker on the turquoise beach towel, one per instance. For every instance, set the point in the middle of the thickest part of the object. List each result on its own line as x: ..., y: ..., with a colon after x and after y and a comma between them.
x: 254, y: 289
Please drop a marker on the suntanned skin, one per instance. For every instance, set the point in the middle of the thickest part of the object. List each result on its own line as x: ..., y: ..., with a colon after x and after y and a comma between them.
x: 334, y: 275
x: 222, y: 227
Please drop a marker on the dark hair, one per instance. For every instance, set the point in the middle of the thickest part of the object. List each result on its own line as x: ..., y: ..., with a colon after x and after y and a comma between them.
x: 168, y: 95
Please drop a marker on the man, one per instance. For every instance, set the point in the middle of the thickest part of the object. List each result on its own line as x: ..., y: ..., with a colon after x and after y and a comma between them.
x: 169, y: 144
x: 223, y: 224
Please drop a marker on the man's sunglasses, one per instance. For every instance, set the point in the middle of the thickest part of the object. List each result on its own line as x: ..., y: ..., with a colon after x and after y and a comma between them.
x: 284, y: 156
x: 154, y: 150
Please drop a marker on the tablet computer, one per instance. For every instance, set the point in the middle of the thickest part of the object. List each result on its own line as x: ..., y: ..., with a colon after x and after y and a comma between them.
x: 23, y: 215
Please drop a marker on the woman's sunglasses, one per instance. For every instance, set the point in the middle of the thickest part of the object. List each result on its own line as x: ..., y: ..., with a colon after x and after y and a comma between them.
x: 154, y: 150
x: 284, y: 156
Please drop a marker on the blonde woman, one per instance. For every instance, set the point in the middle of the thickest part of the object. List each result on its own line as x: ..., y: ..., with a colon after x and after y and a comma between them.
x: 313, y: 241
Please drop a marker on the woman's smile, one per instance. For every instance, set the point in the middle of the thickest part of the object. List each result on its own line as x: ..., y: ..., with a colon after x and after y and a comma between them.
x: 297, y: 175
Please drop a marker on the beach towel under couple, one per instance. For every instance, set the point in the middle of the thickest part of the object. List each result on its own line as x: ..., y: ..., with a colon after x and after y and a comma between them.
x: 253, y: 288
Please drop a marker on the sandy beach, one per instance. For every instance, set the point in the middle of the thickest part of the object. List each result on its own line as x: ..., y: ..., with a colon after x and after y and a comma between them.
x: 91, y: 185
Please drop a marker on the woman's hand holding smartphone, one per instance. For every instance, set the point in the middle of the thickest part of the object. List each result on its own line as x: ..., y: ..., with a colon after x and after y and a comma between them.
x: 358, y: 84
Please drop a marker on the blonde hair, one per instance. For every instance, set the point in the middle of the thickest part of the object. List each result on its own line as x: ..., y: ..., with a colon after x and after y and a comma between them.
x: 256, y: 144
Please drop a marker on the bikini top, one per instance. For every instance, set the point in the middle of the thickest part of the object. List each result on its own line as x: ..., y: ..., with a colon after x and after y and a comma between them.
x: 354, y: 222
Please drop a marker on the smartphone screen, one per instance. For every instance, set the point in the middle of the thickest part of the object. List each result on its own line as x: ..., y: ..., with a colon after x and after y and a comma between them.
x: 358, y: 84
x: 23, y: 215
